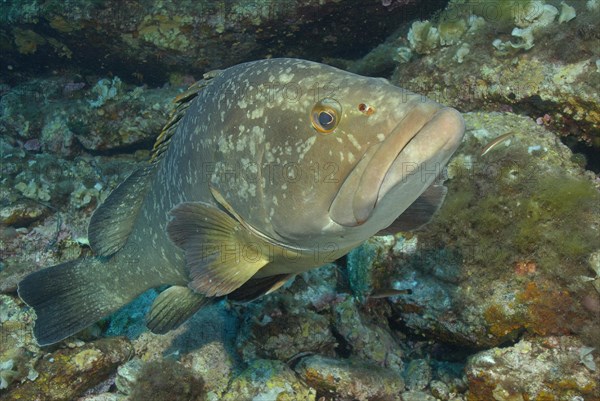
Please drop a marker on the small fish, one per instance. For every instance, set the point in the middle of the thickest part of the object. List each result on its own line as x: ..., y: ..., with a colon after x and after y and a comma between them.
x: 266, y: 169
x: 495, y: 142
x: 389, y: 292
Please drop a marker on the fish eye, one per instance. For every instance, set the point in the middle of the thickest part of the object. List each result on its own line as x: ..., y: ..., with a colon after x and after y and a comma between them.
x: 325, y: 115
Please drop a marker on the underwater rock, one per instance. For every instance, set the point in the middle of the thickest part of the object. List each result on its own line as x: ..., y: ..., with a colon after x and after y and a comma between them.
x: 417, y: 374
x: 350, y: 379
x: 104, y: 397
x: 439, y: 389
x: 216, y: 365
x: 293, y: 321
x: 118, y: 117
x: 66, y: 373
x: 282, y: 335
x: 127, y: 375
x: 551, y: 71
x: 268, y: 380
x: 204, y: 346
x: 423, y: 37
x: 472, y: 290
x: 18, y: 350
x: 65, y: 192
x: 150, y: 41
x: 22, y: 214
x: 100, y: 116
x: 535, y: 369
x: 417, y: 396
x: 316, y: 289
x: 167, y: 380
x: 365, y: 338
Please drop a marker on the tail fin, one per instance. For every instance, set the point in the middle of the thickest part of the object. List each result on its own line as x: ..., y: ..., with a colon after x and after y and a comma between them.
x: 69, y: 297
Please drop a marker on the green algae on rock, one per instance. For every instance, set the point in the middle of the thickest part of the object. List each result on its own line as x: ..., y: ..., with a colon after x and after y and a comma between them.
x: 545, y: 208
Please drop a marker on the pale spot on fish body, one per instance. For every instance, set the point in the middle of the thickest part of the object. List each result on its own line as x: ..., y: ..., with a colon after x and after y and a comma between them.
x: 269, y: 157
x: 353, y: 141
x: 303, y: 149
x: 256, y: 113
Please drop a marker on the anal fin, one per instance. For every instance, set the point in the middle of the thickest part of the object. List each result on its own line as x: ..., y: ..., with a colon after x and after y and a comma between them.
x: 113, y: 221
x: 173, y: 307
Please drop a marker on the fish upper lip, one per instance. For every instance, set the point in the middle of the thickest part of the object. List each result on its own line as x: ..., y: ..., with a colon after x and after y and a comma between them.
x: 382, y: 160
x: 441, y: 136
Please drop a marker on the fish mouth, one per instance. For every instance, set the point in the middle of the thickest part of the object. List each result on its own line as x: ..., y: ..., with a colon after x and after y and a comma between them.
x: 420, y: 144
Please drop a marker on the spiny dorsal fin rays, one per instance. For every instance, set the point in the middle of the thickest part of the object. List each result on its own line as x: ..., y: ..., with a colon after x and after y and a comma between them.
x: 221, y: 255
x: 183, y: 102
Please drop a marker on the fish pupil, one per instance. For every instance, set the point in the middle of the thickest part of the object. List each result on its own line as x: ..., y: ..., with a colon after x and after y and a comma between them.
x: 325, y: 119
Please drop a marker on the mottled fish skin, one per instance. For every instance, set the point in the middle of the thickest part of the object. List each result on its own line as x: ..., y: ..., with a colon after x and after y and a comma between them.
x: 248, y: 136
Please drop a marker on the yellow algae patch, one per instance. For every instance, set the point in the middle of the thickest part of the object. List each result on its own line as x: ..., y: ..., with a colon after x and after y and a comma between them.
x: 85, y: 359
x: 27, y: 41
x: 166, y: 32
x: 64, y: 26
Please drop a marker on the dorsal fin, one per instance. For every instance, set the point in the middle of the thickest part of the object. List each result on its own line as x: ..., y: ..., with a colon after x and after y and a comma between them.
x: 113, y: 221
x: 183, y: 101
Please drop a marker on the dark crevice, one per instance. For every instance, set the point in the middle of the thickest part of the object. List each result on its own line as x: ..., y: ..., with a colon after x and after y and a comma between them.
x: 343, y: 348
x: 145, y: 144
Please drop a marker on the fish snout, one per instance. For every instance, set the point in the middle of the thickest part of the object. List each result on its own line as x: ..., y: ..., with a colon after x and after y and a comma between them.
x: 403, y: 165
x: 424, y: 158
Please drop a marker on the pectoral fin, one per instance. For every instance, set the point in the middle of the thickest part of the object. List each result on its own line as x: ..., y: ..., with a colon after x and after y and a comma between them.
x: 172, y: 307
x: 221, y: 254
x: 420, y: 212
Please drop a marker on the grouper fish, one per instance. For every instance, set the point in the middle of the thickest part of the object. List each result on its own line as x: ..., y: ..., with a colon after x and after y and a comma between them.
x: 266, y: 170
